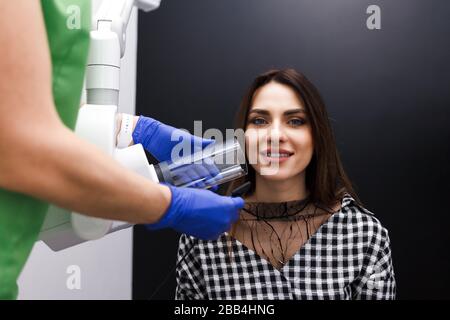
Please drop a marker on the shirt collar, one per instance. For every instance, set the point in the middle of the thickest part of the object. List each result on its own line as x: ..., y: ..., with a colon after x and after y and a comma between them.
x: 348, y: 200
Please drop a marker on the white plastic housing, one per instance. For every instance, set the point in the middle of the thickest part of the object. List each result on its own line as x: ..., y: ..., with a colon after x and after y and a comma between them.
x: 62, y: 228
x: 108, y: 44
x: 148, y: 5
x: 103, y: 69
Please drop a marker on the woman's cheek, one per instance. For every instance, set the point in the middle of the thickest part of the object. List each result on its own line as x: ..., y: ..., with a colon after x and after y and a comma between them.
x: 307, y: 150
x: 303, y: 141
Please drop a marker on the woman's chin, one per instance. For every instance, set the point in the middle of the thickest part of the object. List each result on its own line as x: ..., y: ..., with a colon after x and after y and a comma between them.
x: 275, y: 174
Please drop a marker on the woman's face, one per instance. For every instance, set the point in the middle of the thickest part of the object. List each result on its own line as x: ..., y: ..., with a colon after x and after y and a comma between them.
x: 279, y: 141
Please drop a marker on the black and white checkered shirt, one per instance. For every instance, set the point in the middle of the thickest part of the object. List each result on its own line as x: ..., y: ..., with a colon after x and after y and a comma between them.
x: 349, y: 257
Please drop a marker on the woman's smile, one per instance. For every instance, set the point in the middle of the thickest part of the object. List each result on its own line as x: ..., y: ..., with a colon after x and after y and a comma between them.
x: 272, y: 155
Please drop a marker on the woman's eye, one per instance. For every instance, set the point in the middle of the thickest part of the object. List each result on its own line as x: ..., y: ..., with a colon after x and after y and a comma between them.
x: 258, y: 121
x: 296, y: 122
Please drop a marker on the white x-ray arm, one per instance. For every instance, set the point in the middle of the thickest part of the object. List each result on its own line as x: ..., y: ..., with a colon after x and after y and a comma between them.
x: 108, y: 44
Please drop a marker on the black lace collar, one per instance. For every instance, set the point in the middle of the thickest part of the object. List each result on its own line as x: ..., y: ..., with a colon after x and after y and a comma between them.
x: 279, y: 210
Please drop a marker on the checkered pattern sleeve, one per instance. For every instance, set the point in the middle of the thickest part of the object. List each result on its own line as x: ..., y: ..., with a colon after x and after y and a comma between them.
x: 189, y: 274
x: 376, y: 279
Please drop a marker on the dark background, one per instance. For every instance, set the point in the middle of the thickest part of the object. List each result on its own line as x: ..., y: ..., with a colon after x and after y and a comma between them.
x: 387, y: 92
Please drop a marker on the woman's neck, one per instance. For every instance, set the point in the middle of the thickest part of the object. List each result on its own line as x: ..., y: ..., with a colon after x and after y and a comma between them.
x: 267, y: 190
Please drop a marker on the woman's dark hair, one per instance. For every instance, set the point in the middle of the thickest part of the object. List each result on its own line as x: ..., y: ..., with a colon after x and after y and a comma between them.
x: 325, y: 179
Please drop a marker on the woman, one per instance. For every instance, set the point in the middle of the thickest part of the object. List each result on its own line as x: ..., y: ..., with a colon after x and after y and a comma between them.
x: 303, y: 233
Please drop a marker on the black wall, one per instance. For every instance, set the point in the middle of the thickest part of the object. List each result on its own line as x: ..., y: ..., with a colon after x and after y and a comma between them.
x: 387, y: 92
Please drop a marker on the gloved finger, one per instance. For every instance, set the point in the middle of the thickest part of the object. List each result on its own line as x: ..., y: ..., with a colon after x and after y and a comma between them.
x: 214, y: 188
x: 206, y: 173
x: 238, y: 202
x: 213, y: 173
x: 198, y: 143
x: 183, y: 136
x: 207, y: 142
x: 195, y: 180
x: 211, y: 167
x: 208, y: 146
x: 214, y: 181
x: 181, y: 176
x: 188, y: 173
x: 235, y: 216
x: 202, y: 172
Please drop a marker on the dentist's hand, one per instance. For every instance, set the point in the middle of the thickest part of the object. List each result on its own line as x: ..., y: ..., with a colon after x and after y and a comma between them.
x: 196, y: 175
x: 199, y: 213
x: 156, y: 138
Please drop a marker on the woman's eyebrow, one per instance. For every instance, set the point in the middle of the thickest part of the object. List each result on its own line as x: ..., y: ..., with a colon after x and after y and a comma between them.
x: 294, y: 111
x: 260, y: 111
x: 286, y: 113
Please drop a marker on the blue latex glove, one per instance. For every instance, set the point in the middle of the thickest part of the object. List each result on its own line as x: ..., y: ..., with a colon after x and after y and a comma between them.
x: 199, y: 213
x: 156, y: 138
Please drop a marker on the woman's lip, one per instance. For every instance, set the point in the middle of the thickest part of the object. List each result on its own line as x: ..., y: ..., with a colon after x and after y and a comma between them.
x: 275, y: 159
x: 278, y: 151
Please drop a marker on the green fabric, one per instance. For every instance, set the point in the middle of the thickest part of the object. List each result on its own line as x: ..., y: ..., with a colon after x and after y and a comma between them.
x: 21, y: 217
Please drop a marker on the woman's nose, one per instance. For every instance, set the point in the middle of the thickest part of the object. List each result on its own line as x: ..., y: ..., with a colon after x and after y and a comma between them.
x: 276, y: 133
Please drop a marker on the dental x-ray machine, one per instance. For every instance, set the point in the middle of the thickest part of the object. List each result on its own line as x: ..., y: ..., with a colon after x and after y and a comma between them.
x: 96, y: 121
